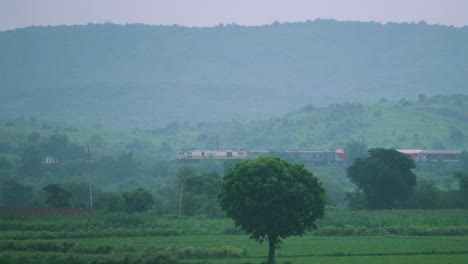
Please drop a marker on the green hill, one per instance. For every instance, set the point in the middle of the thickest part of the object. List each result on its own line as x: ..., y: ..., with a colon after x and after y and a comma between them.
x: 439, y: 122
x: 149, y: 76
x: 146, y: 158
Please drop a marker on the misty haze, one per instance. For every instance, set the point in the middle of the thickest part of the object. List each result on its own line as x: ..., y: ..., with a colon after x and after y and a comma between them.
x: 339, y: 141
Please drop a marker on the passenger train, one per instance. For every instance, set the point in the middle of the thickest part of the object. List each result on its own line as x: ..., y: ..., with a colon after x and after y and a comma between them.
x: 198, y: 154
x: 310, y: 157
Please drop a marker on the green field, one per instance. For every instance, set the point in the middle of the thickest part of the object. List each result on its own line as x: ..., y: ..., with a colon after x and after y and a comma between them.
x: 394, y: 236
x: 306, y: 249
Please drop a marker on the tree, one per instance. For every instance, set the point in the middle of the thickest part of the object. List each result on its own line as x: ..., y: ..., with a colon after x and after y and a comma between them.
x: 200, y: 192
x: 110, y: 168
x: 34, y: 137
x: 385, y: 177
x: 463, y: 158
x: 463, y: 183
x: 272, y: 199
x: 56, y: 196
x: 355, y: 149
x: 182, y: 174
x: 197, y: 192
x: 80, y: 192
x: 58, y: 146
x: 138, y: 200
x: 14, y: 194
x: 426, y: 196
x: 31, y: 163
x: 110, y: 202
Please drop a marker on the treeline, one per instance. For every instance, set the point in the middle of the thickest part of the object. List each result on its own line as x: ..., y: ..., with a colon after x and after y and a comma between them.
x: 194, y: 193
x: 52, y: 171
x: 29, y: 167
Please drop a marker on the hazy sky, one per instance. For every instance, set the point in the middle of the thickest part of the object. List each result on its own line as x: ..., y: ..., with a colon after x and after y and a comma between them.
x: 23, y: 13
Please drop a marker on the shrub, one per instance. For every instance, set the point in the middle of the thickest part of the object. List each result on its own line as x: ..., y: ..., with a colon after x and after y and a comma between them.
x: 160, y: 257
x: 200, y: 253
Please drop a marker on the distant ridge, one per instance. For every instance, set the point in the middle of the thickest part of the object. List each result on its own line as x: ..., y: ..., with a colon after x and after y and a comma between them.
x: 148, y: 76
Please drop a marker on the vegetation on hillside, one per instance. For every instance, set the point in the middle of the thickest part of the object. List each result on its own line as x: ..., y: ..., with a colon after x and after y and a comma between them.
x: 149, y: 76
x: 124, y: 161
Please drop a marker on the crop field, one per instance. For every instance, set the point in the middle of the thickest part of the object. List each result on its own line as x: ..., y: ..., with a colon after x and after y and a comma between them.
x: 349, y: 237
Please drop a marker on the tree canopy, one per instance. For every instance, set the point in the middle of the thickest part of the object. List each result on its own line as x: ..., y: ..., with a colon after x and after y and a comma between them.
x: 31, y: 163
x: 56, y: 196
x: 463, y: 157
x: 463, y: 183
x: 355, y: 149
x: 138, y: 200
x: 385, y: 177
x: 15, y: 194
x: 272, y: 199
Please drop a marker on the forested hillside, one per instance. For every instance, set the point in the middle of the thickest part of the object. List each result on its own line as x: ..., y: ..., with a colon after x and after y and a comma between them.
x: 138, y: 76
x: 439, y: 122
x: 122, y: 161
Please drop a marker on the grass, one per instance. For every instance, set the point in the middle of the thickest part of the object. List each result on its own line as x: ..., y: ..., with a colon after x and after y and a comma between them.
x: 116, y: 238
x: 307, y: 249
x: 302, y: 246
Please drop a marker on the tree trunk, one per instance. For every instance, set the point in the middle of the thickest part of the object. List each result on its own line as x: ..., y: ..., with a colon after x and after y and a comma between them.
x: 271, y: 248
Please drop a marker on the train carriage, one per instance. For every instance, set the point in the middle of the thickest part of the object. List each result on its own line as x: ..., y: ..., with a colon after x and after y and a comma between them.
x: 414, y: 154
x: 312, y: 157
x: 440, y: 155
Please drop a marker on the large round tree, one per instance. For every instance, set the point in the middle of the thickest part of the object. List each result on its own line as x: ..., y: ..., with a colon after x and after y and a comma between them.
x: 385, y: 177
x: 272, y: 199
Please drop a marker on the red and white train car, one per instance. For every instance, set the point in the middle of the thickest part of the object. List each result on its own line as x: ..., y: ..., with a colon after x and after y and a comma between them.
x: 414, y: 154
x: 340, y: 156
x: 420, y: 155
x: 440, y: 155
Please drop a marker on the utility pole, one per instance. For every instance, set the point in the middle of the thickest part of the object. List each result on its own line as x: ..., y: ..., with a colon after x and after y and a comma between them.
x: 89, y: 179
x: 181, y: 194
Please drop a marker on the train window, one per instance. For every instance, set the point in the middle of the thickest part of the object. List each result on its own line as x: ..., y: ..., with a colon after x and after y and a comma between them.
x: 203, y: 153
x: 229, y: 154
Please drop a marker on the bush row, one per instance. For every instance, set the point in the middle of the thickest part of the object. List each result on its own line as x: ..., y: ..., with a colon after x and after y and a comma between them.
x: 203, y: 253
x: 14, y: 257
x: 383, y: 218
x: 128, y: 232
x: 100, y: 251
x: 111, y: 221
x: 144, y: 224
x: 62, y: 247
x: 98, y: 221
x: 346, y: 230
x: 391, y: 230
